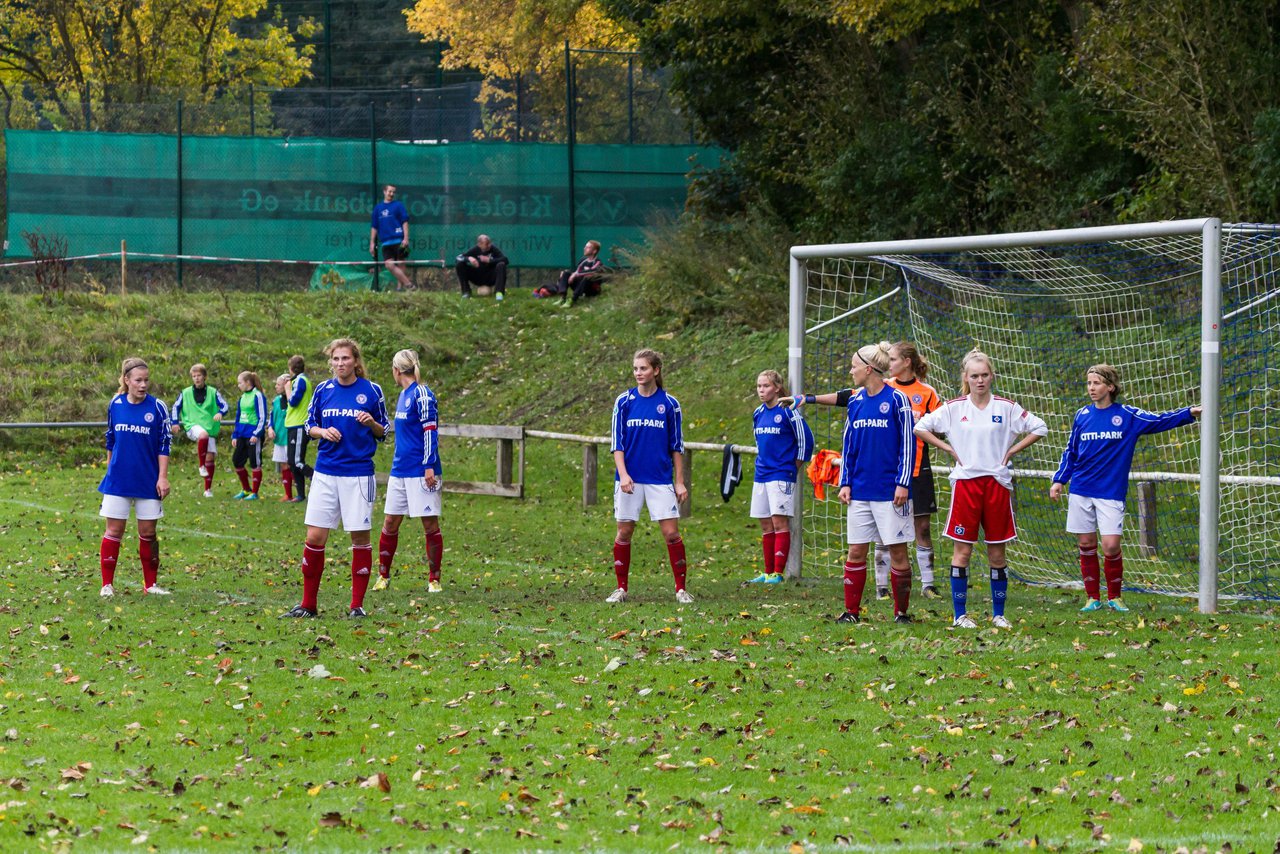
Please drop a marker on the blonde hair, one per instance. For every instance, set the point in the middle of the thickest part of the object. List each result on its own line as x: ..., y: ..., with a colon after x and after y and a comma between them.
x: 974, y: 355
x: 283, y: 378
x: 774, y: 377
x: 654, y: 358
x: 347, y: 343
x: 406, y: 362
x: 199, y: 368
x: 252, y: 378
x: 1109, y: 375
x: 908, y: 351
x: 875, y: 356
x: 126, y: 366
x: 595, y: 243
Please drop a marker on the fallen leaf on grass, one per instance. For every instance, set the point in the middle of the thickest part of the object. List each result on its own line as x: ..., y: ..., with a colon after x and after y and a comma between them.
x: 319, y: 672
x: 77, y: 771
x: 808, y: 810
x: 333, y: 819
x: 665, y: 766
x: 618, y: 635
x: 376, y: 781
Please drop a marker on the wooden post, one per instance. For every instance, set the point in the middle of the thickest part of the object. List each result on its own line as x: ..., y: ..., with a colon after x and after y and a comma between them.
x: 504, y: 462
x: 686, y: 508
x: 1147, y: 518
x: 590, y: 471
x: 123, y: 267
x: 795, y: 557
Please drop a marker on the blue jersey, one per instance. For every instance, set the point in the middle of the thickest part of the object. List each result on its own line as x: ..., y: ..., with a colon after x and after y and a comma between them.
x: 336, y: 405
x: 246, y: 425
x: 782, y: 440
x: 879, y: 447
x: 137, y: 437
x: 417, y: 442
x: 389, y: 218
x: 1099, y: 453
x: 648, y: 431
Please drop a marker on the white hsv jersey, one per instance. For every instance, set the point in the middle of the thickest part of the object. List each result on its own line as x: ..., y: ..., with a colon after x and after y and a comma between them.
x: 982, y: 436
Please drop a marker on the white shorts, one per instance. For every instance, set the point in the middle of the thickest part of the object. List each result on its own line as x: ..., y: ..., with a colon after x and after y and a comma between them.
x: 280, y: 453
x: 197, y: 433
x: 1087, y: 515
x: 348, y: 500
x: 880, y: 522
x: 660, y: 498
x: 409, y: 496
x: 117, y: 507
x: 774, y: 498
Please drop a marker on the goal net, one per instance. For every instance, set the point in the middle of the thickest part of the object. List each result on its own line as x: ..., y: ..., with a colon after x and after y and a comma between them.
x: 1184, y: 309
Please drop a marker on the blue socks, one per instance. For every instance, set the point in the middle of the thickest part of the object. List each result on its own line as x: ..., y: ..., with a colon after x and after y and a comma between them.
x: 960, y: 589
x: 999, y: 589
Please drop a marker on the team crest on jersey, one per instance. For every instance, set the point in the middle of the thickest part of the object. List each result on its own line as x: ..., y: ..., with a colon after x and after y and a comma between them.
x: 777, y: 419
x: 149, y: 417
x: 361, y: 399
x: 1116, y: 420
x: 662, y: 408
x: 997, y: 419
x: 915, y: 398
x: 884, y: 407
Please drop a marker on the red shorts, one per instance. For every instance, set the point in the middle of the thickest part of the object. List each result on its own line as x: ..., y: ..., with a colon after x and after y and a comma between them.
x: 980, y: 502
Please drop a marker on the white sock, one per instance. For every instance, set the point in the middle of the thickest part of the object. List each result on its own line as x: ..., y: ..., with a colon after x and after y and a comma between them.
x: 924, y: 559
x: 882, y: 566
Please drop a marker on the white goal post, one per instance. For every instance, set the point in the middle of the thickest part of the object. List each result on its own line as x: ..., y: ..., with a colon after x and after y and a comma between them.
x: 1148, y: 298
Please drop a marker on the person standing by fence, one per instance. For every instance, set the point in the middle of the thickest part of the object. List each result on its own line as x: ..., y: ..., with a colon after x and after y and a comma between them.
x: 389, y: 228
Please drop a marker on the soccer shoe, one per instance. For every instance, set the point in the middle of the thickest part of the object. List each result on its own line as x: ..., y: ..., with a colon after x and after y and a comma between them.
x: 1117, y: 605
x: 107, y: 591
x: 1091, y: 605
x: 240, y: 496
x: 467, y: 295
x: 903, y: 618
x: 964, y: 622
x: 203, y: 472
x: 208, y: 493
x: 382, y: 583
x: 499, y: 297
x: 616, y: 596
x: 683, y: 597
x: 882, y: 594
x: 298, y: 611
x: 356, y: 613
x: 435, y: 587
x: 848, y: 617
x: 931, y: 592
x: 1001, y: 623
x: 773, y: 578
x: 156, y: 590
x: 252, y: 496
x: 762, y: 578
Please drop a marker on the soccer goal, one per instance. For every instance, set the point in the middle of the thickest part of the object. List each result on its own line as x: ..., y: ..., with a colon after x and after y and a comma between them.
x: 1188, y: 311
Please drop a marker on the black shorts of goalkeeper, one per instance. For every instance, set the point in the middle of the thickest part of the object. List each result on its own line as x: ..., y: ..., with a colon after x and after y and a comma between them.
x: 394, y: 252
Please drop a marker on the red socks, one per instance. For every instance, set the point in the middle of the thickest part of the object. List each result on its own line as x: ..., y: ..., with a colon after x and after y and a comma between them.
x: 855, y: 578
x: 1114, y: 569
x: 621, y: 562
x: 361, y: 567
x: 767, y: 546
x: 1089, y: 572
x: 257, y: 481
x: 108, y: 554
x: 435, y: 549
x: 149, y: 552
x: 312, y: 569
x: 781, y: 548
x: 202, y: 450
x: 386, y: 552
x: 208, y: 479
x: 243, y: 474
x: 679, y: 568
x: 900, y: 584
x: 286, y: 477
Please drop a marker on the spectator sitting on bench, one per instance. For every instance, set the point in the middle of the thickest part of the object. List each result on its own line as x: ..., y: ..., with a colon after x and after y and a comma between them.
x: 482, y: 264
x: 586, y: 278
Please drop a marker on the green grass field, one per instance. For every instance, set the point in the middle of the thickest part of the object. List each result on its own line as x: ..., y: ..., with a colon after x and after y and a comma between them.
x: 517, y: 711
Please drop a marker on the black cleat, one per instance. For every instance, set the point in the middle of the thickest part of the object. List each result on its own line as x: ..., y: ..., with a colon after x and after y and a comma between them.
x: 848, y: 617
x: 298, y: 611
x: 882, y: 594
x: 931, y: 592
x: 356, y: 613
x: 902, y: 618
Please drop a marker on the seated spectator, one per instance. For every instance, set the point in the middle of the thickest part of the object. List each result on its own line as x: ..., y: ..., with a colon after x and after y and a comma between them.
x: 586, y: 278
x: 482, y: 264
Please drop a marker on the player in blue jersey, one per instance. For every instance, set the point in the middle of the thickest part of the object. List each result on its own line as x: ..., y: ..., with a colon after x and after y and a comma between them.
x: 1096, y: 463
x: 878, y: 458
x: 248, y: 435
x: 389, y: 228
x: 137, y: 442
x: 648, y: 452
x: 415, y: 487
x: 783, y: 442
x: 348, y: 416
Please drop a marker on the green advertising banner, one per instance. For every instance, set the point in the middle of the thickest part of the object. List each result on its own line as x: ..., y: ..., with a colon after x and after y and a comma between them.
x: 311, y: 199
